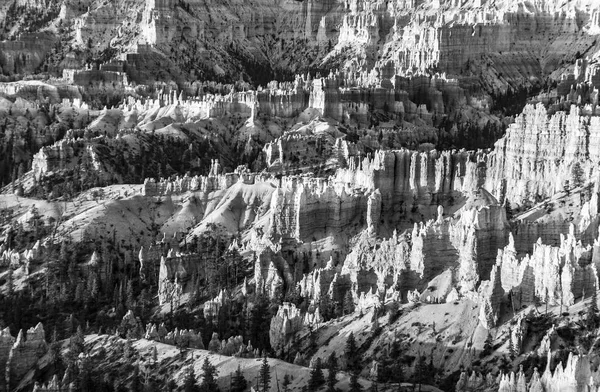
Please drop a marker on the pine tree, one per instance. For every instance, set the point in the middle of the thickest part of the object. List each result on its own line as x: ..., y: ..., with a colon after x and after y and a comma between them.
x: 509, y: 210
x: 350, y: 353
x: 316, y: 376
x: 421, y: 370
x: 129, y: 299
x: 189, y: 380
x: 209, y: 377
x: 354, y: 384
x: 84, y: 378
x: 151, y: 385
x: 332, y: 365
x: 487, y: 346
x: 326, y: 308
x: 238, y: 382
x: 154, y: 354
x: 10, y: 286
x: 135, y: 385
x: 348, y: 303
x: 593, y: 319
x: 76, y: 344
x: 71, y: 325
x: 106, y: 384
x: 260, y: 322
x: 172, y: 385
x: 431, y: 371
x: 128, y: 350
x: 265, y: 375
x: 286, y: 383
x: 55, y: 353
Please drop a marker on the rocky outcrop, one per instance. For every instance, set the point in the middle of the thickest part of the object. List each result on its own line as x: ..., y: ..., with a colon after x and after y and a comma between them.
x: 553, y: 274
x: 53, y: 386
x: 464, y: 247
x: 25, y: 54
x: 476, y: 382
x: 543, y: 154
x: 318, y: 283
x: 15, y: 259
x: 6, y: 343
x: 177, y: 337
x: 271, y: 273
x: 24, y: 353
x: 207, y: 184
x: 52, y: 158
x: 175, y: 274
x: 303, y: 208
x: 284, y: 325
x: 212, y: 307
x: 491, y: 293
x: 414, y: 184
x: 575, y: 375
x: 288, y: 321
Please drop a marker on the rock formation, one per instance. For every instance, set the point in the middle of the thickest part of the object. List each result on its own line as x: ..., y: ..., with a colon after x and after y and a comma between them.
x: 24, y: 353
x: 554, y: 274
x: 543, y: 154
x: 574, y: 375
x: 284, y: 325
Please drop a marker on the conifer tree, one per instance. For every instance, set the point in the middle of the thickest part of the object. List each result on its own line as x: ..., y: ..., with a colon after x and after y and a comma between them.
x: 265, y: 375
x: 348, y: 303
x: 77, y: 343
x: 354, y: 384
x: 55, y: 352
x: 593, y: 319
x: 154, y: 354
x: 209, y: 377
x: 316, y: 376
x: 189, y: 381
x: 487, y: 345
x: 238, y: 382
x: 421, y: 370
x: 350, y: 353
x: 84, y: 378
x: 129, y: 297
x: 172, y: 385
x: 286, y: 383
x: 135, y: 385
x: 332, y: 365
x: 10, y: 283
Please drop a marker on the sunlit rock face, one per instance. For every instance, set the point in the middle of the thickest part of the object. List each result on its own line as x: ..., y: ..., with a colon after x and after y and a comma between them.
x: 501, y: 44
x: 543, y: 154
x: 25, y: 352
x: 554, y: 274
